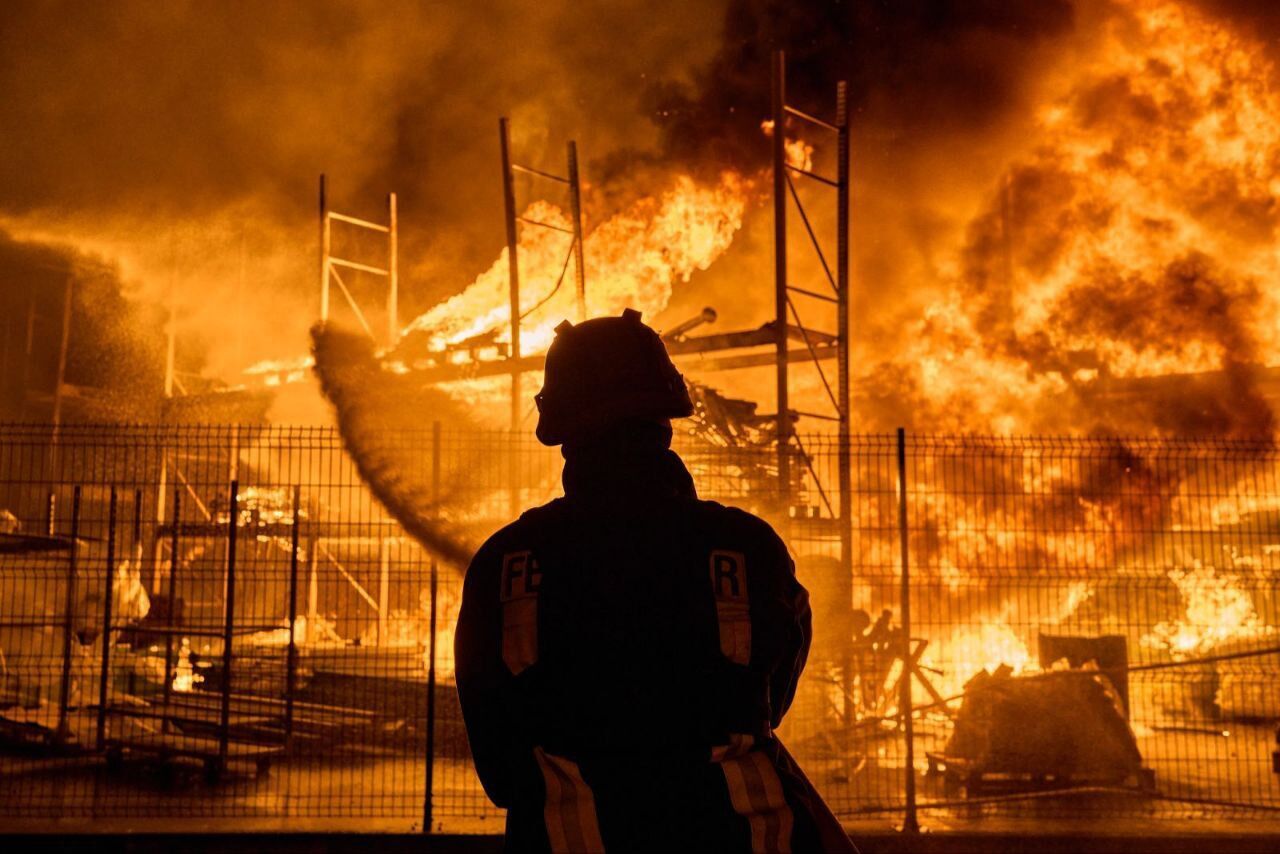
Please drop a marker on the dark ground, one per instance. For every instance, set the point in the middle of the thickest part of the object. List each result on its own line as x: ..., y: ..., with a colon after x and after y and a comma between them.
x: 879, y: 842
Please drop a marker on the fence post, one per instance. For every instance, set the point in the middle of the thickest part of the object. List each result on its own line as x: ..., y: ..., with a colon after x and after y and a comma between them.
x: 428, y: 817
x: 171, y: 598
x: 911, y: 822
x: 137, y: 530
x: 107, y: 602
x: 292, y: 664
x: 68, y: 619
x: 228, y: 627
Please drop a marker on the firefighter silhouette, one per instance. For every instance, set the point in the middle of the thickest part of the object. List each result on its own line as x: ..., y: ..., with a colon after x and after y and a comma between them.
x: 625, y: 652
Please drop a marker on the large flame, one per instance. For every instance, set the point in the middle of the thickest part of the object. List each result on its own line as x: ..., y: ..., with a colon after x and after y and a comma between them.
x: 633, y: 260
x: 1135, y: 239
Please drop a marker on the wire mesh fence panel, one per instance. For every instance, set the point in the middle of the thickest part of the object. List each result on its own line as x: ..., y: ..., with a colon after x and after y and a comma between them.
x: 1099, y: 615
x: 243, y: 633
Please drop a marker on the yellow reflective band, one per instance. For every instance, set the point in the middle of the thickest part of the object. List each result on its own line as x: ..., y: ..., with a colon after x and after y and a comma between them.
x: 570, y: 808
x: 755, y: 790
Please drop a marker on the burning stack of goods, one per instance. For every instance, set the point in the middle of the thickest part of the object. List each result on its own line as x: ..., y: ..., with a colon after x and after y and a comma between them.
x: 1063, y: 727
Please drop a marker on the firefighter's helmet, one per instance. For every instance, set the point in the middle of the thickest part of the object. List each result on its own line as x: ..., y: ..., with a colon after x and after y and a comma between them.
x: 606, y: 370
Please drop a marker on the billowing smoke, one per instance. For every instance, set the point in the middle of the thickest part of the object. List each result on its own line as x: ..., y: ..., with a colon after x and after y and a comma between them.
x: 183, y: 140
x: 994, y: 143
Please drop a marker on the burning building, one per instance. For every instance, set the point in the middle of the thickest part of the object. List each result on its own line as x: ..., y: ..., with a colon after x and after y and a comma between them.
x: 1072, y: 239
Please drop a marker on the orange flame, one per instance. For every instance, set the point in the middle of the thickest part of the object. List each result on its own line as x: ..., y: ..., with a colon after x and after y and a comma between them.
x: 1135, y: 240
x: 1218, y: 610
x: 633, y: 260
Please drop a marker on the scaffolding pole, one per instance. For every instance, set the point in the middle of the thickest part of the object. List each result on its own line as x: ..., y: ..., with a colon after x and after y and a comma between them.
x: 783, y: 428
x: 325, y: 245
x: 393, y: 249
x: 575, y: 201
x: 513, y: 265
x: 788, y: 324
x: 330, y: 264
x: 844, y: 453
x: 514, y: 365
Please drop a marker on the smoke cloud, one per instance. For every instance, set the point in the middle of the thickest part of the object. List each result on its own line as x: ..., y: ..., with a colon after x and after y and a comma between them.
x: 184, y: 139
x: 181, y: 142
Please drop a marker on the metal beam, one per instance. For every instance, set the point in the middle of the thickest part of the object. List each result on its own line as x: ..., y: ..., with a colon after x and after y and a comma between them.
x: 513, y: 266
x: 575, y: 207
x: 362, y: 223
x: 355, y: 265
x: 780, y: 273
x: 324, y: 251
x: 393, y: 264
x: 844, y: 450
x: 823, y: 348
x: 758, y: 360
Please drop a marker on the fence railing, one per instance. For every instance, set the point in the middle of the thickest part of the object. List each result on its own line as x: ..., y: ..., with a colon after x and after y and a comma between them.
x: 221, y: 622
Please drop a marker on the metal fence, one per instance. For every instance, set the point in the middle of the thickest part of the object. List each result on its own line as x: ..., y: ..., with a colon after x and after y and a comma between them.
x: 221, y: 623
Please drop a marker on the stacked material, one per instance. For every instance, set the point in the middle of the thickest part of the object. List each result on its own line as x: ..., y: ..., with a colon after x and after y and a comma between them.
x: 1061, y: 724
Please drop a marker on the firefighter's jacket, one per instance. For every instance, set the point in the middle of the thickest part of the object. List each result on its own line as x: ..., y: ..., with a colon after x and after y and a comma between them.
x: 622, y: 656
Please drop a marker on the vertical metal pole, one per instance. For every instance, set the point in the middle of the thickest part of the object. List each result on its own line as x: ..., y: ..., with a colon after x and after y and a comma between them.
x: 313, y: 585
x: 228, y: 627
x: 384, y: 587
x: 171, y: 598
x: 427, y: 808
x: 137, y: 530
x: 780, y: 277
x: 324, y: 251
x: 50, y: 512
x: 161, y: 485
x: 233, y: 453
x: 513, y: 266
x: 393, y: 267
x: 292, y: 663
x: 162, y: 480
x: 843, y: 451
x: 108, y: 600
x: 911, y: 822
x: 68, y: 613
x: 575, y: 202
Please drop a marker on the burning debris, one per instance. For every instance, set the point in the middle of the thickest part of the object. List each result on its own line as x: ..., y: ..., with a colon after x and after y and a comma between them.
x: 1064, y: 728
